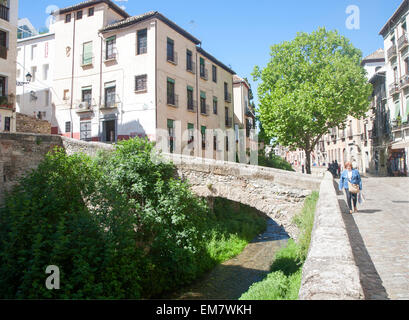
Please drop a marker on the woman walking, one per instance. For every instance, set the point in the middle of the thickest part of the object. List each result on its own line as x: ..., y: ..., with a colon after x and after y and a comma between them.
x: 352, y: 183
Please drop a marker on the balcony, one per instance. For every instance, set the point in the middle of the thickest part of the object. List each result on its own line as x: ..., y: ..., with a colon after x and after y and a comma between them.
x: 249, y: 112
x: 392, y: 52
x: 192, y: 106
x: 204, y: 74
x: 393, y: 89
x: 3, y: 52
x: 204, y: 109
x: 228, y: 122
x: 110, y: 105
x: 227, y: 97
x: 7, y: 102
x: 403, y: 42
x: 173, y: 100
x: 191, y: 67
x: 172, y: 58
x: 404, y: 81
x: 4, y: 12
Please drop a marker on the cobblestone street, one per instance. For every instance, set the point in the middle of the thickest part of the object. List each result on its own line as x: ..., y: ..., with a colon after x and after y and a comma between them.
x: 379, y: 236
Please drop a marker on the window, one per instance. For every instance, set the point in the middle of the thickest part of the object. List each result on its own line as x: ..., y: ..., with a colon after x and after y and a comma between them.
x: 189, y: 61
x: 79, y: 15
x: 46, y: 68
x: 395, y: 74
x: 404, y: 28
x: 7, y: 122
x: 142, y: 41
x: 226, y: 92
x: 47, y: 97
x: 33, y: 74
x: 190, y: 103
x: 214, y: 73
x: 65, y: 96
x: 141, y: 83
x: 227, y: 143
x: 202, y: 68
x: 170, y: 52
x: 215, y: 142
x: 87, y: 53
x: 33, y: 51
x: 171, y: 92
x: 87, y: 95
x: 203, y: 131
x: 68, y: 18
x: 67, y: 127
x: 110, y: 48
x: 191, y: 133
x: 203, y: 103
x: 110, y: 95
x: 3, y: 44
x: 407, y: 66
x: 2, y: 87
x: 90, y: 12
x: 171, y: 131
x: 85, y: 131
x: 214, y: 105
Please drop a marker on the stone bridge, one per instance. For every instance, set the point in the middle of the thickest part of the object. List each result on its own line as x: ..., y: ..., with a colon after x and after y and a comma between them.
x: 329, y: 272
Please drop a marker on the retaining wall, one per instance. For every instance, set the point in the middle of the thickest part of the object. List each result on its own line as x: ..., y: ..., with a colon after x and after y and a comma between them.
x: 330, y: 272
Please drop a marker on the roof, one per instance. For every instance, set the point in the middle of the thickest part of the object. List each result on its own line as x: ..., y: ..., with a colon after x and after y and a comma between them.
x: 380, y: 74
x: 149, y: 15
x: 377, y: 55
x: 210, y: 57
x: 392, y: 20
x: 237, y: 79
x: 89, y: 3
x: 39, y: 36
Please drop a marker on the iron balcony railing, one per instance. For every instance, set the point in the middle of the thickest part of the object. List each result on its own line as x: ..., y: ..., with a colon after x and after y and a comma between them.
x: 173, y: 100
x: 4, y: 12
x: 392, y: 52
x: 204, y: 74
x: 192, y: 106
x: 404, y: 81
x: 403, y: 42
x: 3, y: 52
x: 204, y: 109
x: 229, y: 122
x: 393, y: 88
x: 227, y: 97
x: 191, y: 66
x: 172, y: 58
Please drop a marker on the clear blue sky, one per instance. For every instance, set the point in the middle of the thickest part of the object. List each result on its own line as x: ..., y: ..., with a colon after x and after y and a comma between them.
x: 239, y: 33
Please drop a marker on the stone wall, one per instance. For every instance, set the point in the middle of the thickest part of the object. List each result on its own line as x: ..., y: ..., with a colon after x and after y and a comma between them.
x: 330, y: 272
x: 29, y: 124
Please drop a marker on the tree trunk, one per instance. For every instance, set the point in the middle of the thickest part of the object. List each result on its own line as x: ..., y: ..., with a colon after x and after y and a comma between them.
x: 308, y: 161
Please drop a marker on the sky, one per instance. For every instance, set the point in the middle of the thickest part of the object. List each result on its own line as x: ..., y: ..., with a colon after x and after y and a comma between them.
x: 239, y: 33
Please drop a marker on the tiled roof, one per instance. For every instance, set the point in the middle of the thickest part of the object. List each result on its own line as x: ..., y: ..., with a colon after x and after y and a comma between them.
x: 210, y: 57
x: 377, y: 55
x: 89, y: 3
x: 152, y: 14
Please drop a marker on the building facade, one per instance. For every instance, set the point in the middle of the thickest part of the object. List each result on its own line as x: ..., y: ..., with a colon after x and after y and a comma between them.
x: 396, y: 43
x: 35, y: 56
x: 8, y: 38
x: 118, y: 76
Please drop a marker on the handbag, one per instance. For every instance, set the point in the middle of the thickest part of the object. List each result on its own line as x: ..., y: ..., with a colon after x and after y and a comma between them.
x: 353, y: 188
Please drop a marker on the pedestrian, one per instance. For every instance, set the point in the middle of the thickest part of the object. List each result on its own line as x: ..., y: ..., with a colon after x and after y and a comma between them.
x: 302, y: 166
x: 336, y: 166
x: 352, y: 183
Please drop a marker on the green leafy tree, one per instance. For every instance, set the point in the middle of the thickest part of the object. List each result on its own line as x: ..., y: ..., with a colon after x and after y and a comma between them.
x: 310, y: 85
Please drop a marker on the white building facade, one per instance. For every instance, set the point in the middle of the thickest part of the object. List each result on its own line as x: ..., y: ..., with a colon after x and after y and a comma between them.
x: 8, y: 38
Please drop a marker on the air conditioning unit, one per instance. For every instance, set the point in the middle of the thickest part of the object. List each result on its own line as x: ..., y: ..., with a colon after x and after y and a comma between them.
x: 83, y: 106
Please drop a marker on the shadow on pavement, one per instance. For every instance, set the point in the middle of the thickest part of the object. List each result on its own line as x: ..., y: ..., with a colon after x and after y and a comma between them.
x: 370, y: 279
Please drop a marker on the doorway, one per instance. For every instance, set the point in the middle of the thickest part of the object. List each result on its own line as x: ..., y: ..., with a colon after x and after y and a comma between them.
x: 110, y: 131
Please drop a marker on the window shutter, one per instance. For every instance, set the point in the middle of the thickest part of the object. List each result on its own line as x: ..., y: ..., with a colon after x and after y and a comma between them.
x: 203, y: 130
x: 189, y: 88
x: 406, y: 112
x: 87, y: 53
x: 170, y: 123
x: 203, y: 94
x: 171, y: 80
x: 397, y: 109
x: 190, y: 126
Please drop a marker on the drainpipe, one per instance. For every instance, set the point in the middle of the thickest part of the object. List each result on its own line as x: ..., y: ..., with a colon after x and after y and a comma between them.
x: 197, y: 138
x: 100, y: 88
x: 156, y: 78
x: 72, y: 75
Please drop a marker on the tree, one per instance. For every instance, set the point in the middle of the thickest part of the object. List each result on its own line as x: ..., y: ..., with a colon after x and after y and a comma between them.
x: 310, y: 85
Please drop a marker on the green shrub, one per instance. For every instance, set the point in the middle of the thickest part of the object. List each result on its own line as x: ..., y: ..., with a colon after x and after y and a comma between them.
x: 284, y: 281
x: 273, y: 161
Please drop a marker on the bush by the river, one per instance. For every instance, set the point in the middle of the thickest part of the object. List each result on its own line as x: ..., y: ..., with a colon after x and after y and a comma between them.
x: 118, y: 226
x: 284, y: 281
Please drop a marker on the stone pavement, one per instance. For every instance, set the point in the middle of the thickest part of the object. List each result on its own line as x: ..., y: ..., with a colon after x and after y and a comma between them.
x: 379, y: 236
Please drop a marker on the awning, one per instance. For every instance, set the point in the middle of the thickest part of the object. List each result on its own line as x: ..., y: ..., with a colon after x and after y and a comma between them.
x: 400, y: 145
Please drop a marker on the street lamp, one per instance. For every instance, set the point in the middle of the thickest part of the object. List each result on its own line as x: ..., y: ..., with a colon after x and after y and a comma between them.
x: 29, y: 77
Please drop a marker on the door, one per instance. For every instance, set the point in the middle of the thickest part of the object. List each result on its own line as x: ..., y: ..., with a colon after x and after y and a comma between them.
x: 109, y: 131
